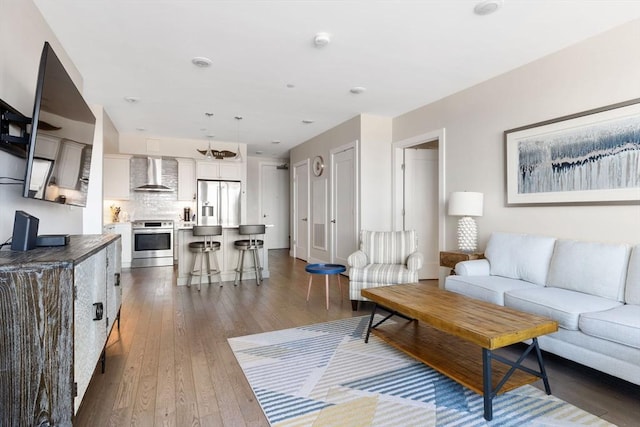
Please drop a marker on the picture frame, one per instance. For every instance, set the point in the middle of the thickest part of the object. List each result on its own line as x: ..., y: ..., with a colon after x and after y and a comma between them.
x: 592, y: 157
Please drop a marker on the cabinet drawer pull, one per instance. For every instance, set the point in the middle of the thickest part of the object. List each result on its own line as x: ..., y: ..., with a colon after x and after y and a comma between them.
x: 117, y: 283
x: 99, y: 310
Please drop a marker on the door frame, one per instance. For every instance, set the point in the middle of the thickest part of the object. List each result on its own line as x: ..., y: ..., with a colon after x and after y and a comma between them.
x: 261, y: 164
x: 294, y: 208
x: 355, y: 145
x: 397, y: 159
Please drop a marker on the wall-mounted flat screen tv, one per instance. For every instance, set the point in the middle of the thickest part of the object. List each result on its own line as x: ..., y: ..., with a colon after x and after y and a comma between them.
x: 61, y: 140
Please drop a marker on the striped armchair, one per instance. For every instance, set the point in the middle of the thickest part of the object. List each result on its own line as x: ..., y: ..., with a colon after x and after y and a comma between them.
x: 384, y: 258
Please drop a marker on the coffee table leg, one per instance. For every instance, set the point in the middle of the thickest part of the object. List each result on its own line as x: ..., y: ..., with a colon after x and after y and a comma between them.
x: 373, y: 313
x: 486, y: 384
x: 543, y: 372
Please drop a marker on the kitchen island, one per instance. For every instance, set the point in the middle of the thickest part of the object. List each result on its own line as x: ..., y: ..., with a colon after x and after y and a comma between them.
x: 227, y: 255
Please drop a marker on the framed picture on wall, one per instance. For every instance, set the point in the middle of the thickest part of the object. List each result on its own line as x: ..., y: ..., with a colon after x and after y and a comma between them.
x: 585, y: 158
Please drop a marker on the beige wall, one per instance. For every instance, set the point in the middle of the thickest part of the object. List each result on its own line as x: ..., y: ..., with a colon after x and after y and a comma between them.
x: 322, y: 145
x: 23, y: 32
x: 373, y: 137
x: 597, y: 72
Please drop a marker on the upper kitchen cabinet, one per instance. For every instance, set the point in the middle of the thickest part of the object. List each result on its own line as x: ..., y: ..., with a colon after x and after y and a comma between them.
x: 219, y: 170
x: 186, y: 180
x: 116, y: 177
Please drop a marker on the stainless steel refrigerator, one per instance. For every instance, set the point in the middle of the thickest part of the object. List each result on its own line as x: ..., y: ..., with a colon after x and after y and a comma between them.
x: 218, y: 203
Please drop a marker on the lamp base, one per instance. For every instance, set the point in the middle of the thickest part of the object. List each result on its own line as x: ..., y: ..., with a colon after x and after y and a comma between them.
x: 467, y: 234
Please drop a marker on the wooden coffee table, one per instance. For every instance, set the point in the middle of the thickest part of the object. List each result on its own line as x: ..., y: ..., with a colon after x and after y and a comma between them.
x: 456, y: 335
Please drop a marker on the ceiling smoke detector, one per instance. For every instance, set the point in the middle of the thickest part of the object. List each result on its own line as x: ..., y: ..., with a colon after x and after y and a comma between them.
x: 201, y: 61
x: 487, y: 7
x: 322, y: 39
x: 357, y: 90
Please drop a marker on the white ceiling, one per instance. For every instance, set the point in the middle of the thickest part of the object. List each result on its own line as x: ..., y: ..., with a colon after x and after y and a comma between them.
x: 405, y: 53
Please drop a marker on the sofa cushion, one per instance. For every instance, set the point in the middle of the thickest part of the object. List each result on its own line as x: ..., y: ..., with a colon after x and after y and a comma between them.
x: 485, y: 288
x: 632, y: 287
x: 474, y: 267
x: 621, y: 324
x: 593, y: 268
x: 388, y: 247
x: 390, y: 274
x: 520, y: 256
x: 562, y: 305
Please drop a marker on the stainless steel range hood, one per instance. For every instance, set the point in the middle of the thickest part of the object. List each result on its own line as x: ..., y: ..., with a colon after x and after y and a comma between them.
x: 154, y: 176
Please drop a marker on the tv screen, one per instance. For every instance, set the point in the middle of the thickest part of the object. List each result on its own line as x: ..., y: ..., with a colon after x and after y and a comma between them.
x: 61, y: 140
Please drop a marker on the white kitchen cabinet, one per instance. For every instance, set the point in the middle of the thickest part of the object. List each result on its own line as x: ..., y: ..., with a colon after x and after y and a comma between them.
x: 219, y: 170
x: 186, y: 180
x: 124, y: 230
x: 116, y: 177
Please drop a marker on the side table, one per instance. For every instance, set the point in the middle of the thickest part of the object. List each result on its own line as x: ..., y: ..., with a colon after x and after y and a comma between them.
x: 326, y: 269
x: 451, y: 258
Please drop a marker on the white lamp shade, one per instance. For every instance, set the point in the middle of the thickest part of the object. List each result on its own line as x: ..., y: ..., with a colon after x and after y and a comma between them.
x: 465, y: 203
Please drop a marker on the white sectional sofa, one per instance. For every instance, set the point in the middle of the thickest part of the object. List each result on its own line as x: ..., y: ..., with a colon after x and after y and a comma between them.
x: 592, y: 289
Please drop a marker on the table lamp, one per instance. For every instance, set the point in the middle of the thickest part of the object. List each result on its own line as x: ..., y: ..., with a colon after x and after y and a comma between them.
x: 466, y: 204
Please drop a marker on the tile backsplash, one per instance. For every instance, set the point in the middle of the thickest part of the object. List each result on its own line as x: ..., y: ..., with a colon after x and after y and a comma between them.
x: 149, y: 205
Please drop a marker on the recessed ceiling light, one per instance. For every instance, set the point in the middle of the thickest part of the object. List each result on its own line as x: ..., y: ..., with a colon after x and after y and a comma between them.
x: 307, y: 121
x: 290, y: 85
x: 275, y: 141
x: 208, y: 114
x: 357, y: 90
x: 322, y: 39
x: 132, y: 99
x: 201, y: 61
x: 238, y: 117
x: 487, y: 7
x: 259, y: 152
x: 140, y: 129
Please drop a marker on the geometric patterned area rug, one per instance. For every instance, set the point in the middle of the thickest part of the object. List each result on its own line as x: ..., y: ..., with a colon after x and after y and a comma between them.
x: 325, y: 375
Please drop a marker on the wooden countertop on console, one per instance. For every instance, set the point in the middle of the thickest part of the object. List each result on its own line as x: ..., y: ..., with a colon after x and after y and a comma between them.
x: 79, y: 248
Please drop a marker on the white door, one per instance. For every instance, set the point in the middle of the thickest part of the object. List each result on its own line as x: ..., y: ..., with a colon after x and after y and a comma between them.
x: 274, y: 204
x: 301, y: 211
x: 421, y: 205
x: 344, y: 220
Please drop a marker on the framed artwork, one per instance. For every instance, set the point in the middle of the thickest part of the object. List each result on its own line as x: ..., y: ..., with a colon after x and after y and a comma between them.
x: 585, y: 158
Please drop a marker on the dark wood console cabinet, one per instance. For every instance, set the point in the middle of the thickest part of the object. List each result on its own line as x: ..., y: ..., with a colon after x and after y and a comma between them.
x: 57, y: 308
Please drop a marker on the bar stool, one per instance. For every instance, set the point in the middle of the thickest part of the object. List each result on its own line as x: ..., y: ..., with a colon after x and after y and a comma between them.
x: 205, y: 248
x: 252, y: 244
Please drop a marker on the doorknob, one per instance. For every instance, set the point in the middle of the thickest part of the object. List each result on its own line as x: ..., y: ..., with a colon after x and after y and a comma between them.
x: 264, y: 215
x: 304, y: 219
x: 333, y: 221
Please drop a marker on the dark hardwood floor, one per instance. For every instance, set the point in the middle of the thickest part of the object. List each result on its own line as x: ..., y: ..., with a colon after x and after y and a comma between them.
x: 169, y: 364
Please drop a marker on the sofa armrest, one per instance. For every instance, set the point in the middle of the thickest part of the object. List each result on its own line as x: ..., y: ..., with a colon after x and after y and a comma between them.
x: 415, y: 261
x: 358, y: 259
x: 475, y: 267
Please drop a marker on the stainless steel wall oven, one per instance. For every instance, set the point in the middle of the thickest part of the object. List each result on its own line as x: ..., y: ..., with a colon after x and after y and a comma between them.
x: 152, y: 243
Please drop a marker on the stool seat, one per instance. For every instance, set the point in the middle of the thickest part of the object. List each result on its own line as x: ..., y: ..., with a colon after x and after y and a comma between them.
x: 204, y: 250
x: 327, y: 270
x: 211, y: 246
x: 251, y: 245
x: 247, y: 243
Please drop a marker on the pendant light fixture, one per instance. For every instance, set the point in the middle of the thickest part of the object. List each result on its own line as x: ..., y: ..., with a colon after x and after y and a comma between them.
x: 239, y: 154
x: 208, y: 153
